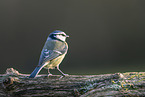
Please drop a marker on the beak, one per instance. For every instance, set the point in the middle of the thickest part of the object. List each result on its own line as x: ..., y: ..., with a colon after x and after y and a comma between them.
x: 67, y: 36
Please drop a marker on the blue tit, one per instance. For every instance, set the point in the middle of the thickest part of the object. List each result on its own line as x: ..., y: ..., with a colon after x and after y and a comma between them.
x: 53, y: 53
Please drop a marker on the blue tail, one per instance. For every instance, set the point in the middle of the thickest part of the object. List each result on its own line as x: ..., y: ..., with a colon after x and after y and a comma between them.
x: 35, y: 72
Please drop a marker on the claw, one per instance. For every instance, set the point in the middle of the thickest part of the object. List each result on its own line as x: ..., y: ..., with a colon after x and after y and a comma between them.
x: 49, y: 74
x: 65, y: 74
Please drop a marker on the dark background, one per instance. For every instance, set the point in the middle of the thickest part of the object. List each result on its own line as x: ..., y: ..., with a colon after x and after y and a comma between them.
x: 106, y: 36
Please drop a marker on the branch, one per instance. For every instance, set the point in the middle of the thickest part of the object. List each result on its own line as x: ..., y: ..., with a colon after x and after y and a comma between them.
x: 15, y: 84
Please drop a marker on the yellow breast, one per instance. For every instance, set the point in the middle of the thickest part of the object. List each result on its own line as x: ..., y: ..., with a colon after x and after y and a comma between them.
x: 55, y: 62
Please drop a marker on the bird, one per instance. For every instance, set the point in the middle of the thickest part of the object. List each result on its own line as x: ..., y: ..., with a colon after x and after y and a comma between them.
x: 53, y: 52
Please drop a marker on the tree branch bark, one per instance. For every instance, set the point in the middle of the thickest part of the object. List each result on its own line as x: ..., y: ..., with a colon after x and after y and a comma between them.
x: 15, y: 84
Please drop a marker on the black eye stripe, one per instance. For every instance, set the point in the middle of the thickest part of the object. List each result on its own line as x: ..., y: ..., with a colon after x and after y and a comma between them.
x: 60, y: 34
x: 54, y: 36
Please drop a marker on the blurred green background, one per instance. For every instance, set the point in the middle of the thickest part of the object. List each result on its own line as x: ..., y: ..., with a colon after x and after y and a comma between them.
x: 106, y: 36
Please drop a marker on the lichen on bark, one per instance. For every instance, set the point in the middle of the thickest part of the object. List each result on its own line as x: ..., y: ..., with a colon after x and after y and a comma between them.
x: 15, y: 84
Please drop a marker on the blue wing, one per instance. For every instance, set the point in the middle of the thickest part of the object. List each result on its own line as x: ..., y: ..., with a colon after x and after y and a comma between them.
x: 46, y: 56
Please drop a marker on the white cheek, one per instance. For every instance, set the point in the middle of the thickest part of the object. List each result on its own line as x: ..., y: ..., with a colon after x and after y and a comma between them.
x: 61, y: 37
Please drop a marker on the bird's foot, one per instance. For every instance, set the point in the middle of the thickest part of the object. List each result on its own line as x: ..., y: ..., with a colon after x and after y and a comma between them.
x: 65, y: 74
x: 49, y: 74
x: 61, y: 77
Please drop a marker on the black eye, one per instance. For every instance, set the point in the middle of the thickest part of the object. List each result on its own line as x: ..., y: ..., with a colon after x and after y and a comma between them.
x: 61, y: 34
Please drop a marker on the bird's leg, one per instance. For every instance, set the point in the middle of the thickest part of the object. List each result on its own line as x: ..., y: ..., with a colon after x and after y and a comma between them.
x: 61, y: 71
x: 49, y: 74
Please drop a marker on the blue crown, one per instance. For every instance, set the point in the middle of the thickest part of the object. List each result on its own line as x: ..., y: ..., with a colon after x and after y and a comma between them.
x: 56, y: 31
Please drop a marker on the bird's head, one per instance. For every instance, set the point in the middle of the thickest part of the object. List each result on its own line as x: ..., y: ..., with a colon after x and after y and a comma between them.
x: 58, y: 35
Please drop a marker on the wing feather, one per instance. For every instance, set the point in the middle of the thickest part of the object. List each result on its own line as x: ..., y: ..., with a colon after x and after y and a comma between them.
x: 45, y: 57
x: 50, y: 51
